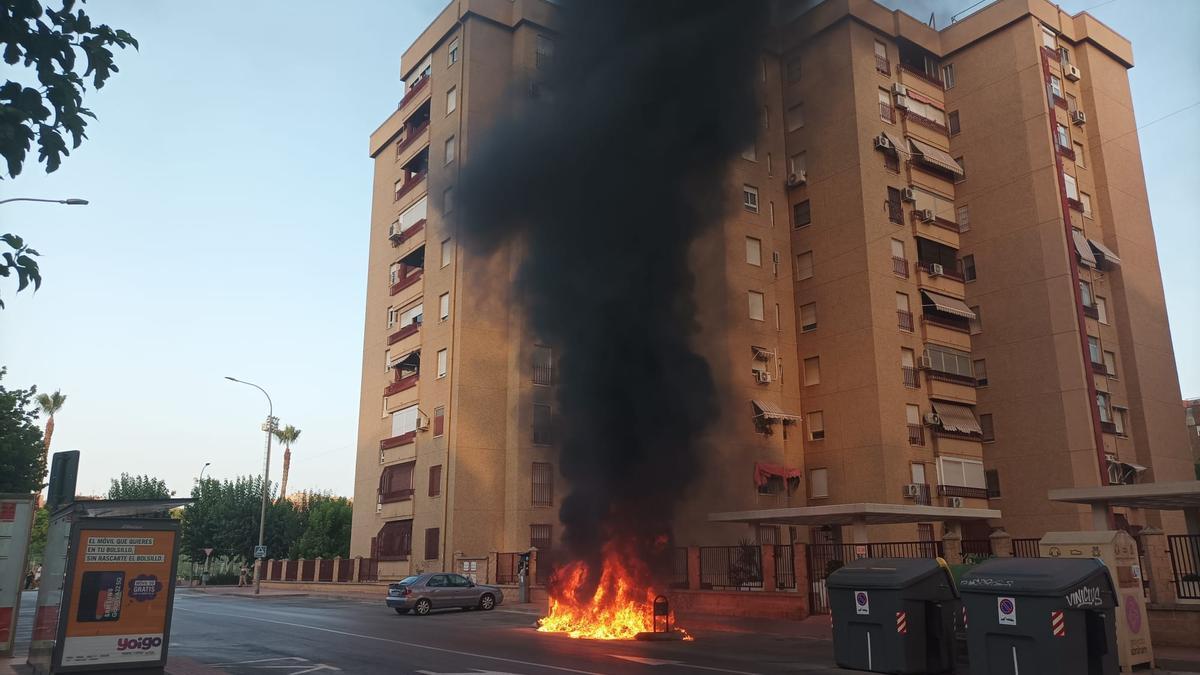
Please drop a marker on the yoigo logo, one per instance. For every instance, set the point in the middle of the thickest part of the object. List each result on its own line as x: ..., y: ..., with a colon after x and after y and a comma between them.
x: 126, y: 644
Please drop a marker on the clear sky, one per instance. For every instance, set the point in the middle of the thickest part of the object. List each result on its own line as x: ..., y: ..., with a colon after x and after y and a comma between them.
x: 227, y: 234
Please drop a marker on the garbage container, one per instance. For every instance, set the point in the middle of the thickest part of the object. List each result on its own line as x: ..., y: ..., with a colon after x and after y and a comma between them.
x: 893, y: 615
x: 1047, y: 616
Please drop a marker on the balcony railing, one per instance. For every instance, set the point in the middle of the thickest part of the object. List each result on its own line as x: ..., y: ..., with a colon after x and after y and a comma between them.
x: 945, y: 224
x: 931, y: 79
x: 397, y: 496
x: 405, y: 282
x: 886, y: 112
x: 1108, y: 427
x: 410, y: 329
x: 1066, y: 152
x: 400, y: 385
x: 950, y: 271
x: 900, y: 266
x: 397, y: 441
x: 895, y: 212
x: 916, y: 434
x: 410, y: 136
x: 1091, y: 311
x: 417, y: 87
x: 1099, y: 368
x: 962, y: 491
x: 953, y: 378
x: 958, y: 323
x: 409, y: 184
x: 923, y: 121
x: 406, y: 234
x: 905, y: 320
x: 911, y: 376
x: 922, y: 497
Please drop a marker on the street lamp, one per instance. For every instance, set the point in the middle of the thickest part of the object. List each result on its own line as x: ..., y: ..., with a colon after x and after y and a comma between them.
x: 269, y: 426
x: 202, y: 469
x: 73, y: 201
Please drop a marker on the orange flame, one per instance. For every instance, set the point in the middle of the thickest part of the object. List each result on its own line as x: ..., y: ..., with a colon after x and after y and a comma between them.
x: 620, y: 607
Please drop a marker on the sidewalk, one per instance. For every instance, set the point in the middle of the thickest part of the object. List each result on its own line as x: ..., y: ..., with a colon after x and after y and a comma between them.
x: 244, y: 592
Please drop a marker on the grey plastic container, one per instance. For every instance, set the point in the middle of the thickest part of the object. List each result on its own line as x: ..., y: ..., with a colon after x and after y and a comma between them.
x: 893, y: 615
x: 1040, y: 616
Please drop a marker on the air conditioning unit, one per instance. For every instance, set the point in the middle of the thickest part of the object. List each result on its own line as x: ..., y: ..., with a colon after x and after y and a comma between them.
x: 954, y: 502
x: 798, y: 178
x: 936, y: 270
x: 912, y: 490
x: 932, y: 419
x: 924, y: 362
x: 1072, y: 72
x: 899, y: 89
x: 902, y: 102
x: 926, y: 215
x: 1078, y: 117
x: 908, y: 194
x: 883, y: 143
x: 762, y: 376
x: 422, y: 423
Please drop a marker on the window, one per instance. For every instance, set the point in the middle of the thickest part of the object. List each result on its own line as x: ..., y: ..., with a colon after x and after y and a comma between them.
x: 404, y: 421
x: 976, y: 324
x: 962, y: 164
x: 802, y: 213
x: 539, y: 537
x: 441, y: 362
x: 448, y: 200
x: 816, y: 425
x: 793, y: 70
x: 543, y: 51
x: 985, y: 424
x: 447, y: 252
x: 948, y: 75
x: 991, y: 479
x: 812, y: 371
x: 880, y: 50
x: 1101, y: 310
x: 543, y: 365
x: 542, y: 419
x: 396, y: 188
x: 963, y: 216
x: 798, y: 163
x: 754, y: 251
x: 439, y: 421
x: 778, y: 324
x: 885, y: 107
x: 393, y: 314
x: 954, y: 123
x: 1072, y: 103
x: 962, y: 472
x: 1085, y: 292
x: 968, y: 264
x: 818, y: 483
x: 750, y: 153
x: 396, y: 483
x: 912, y: 414
x: 1086, y: 200
x: 542, y: 493
x: 903, y: 312
x: 435, y: 480
x: 950, y: 361
x: 394, y: 541
x: 898, y: 250
x: 1063, y: 136
x: 1104, y: 405
x: 794, y: 117
x: 452, y: 53
x: 1056, y: 86
x: 432, y: 539
x: 443, y: 306
x: 1079, y: 161
x: 451, y: 100
x: 804, y: 266
x: 756, y: 305
x: 808, y: 317
x: 1094, y: 351
x: 1072, y: 189
x: 450, y: 148
x: 980, y: 368
x: 750, y: 198
x: 1120, y: 420
x: 1048, y: 40
x: 1110, y: 364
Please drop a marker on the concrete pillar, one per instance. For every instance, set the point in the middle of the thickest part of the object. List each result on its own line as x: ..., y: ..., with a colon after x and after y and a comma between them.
x: 316, y: 569
x: 767, y: 557
x: 693, y: 558
x: 356, y: 575
x: 337, y: 568
x: 1157, y: 565
x: 1100, y: 516
x: 858, y: 531
x: 1002, y: 546
x: 800, y: 569
x: 952, y: 546
x: 531, y: 573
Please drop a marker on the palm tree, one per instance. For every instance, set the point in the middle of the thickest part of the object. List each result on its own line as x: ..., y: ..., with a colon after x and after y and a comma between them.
x: 286, y: 436
x: 50, y: 404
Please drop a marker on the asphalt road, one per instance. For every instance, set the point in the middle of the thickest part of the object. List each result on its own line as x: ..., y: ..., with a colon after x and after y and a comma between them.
x: 298, y: 635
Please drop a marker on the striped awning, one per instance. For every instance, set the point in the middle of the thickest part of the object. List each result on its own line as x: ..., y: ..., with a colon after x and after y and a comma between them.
x: 1084, y: 249
x: 770, y: 411
x: 935, y: 156
x: 895, y: 140
x: 1104, y: 251
x: 957, y: 418
x: 947, y: 304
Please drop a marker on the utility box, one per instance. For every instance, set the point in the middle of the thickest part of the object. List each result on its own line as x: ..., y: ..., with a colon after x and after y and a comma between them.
x: 16, y: 520
x: 1118, y: 551
x: 893, y: 615
x: 1037, y: 616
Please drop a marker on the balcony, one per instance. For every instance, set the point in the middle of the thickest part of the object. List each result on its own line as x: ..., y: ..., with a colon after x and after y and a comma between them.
x: 404, y: 235
x: 895, y: 212
x: 410, y: 329
x: 957, y: 323
x: 405, y: 282
x: 950, y: 271
x: 953, y: 378
x: 401, y: 384
x: 911, y: 376
x: 916, y: 434
x: 410, y: 136
x: 900, y: 267
x: 415, y: 90
x: 410, y: 182
x: 397, y: 441
x: 1075, y: 204
x: 910, y: 116
x: 1091, y: 311
x: 962, y: 491
x: 882, y: 65
x: 1066, y: 152
x: 905, y: 320
x: 945, y: 224
x: 397, y: 496
x: 1108, y: 427
x: 1100, y: 369
x: 903, y: 67
x: 922, y: 497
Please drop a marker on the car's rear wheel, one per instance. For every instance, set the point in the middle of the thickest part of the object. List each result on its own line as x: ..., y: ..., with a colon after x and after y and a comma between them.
x: 422, y: 607
x: 487, y: 602
x: 400, y: 610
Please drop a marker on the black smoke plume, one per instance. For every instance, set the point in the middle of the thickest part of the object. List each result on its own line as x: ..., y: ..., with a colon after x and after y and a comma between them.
x: 604, y: 182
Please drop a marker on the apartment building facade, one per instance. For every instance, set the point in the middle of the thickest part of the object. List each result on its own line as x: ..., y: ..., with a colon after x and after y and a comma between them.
x: 937, y: 285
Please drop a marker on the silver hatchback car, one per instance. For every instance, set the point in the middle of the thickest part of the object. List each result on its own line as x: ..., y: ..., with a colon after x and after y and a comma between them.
x: 439, y: 590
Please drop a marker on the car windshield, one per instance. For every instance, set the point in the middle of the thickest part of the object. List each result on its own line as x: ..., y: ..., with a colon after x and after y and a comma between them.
x: 408, y: 581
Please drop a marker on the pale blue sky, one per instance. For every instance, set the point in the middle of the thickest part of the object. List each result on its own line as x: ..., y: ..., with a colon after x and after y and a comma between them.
x: 227, y: 233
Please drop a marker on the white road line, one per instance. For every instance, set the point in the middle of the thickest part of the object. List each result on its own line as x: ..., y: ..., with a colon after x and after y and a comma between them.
x: 397, y: 642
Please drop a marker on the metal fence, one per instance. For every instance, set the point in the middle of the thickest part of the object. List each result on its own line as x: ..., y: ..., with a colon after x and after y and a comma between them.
x: 785, y: 566
x: 976, y: 550
x: 736, y: 568
x: 325, y: 571
x: 308, y: 570
x: 369, y: 570
x: 823, y: 559
x: 289, y: 569
x: 1025, y: 548
x: 506, y: 568
x: 276, y: 571
x: 1185, y: 563
x: 679, y: 567
x: 345, y: 571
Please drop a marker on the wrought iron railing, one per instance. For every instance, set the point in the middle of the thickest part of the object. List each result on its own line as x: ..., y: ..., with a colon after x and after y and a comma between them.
x: 734, y: 568
x: 1185, y: 564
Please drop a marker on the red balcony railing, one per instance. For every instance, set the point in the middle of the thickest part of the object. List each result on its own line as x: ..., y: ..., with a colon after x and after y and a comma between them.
x: 404, y: 235
x: 1091, y: 311
x: 895, y: 212
x: 1075, y: 204
x: 397, y: 496
x: 900, y: 266
x: 410, y: 136
x: 931, y: 79
x: 410, y: 329
x: 409, y: 184
x: 916, y: 434
x: 401, y: 384
x: 905, y: 320
x: 397, y: 441
x: 911, y: 376
x: 1059, y: 101
x: 920, y: 120
x: 405, y: 282
x: 417, y: 87
x: 882, y: 65
x: 962, y: 491
x: 1066, y: 152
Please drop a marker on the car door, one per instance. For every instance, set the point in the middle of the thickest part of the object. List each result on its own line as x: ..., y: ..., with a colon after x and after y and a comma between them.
x: 464, y: 593
x: 438, y: 590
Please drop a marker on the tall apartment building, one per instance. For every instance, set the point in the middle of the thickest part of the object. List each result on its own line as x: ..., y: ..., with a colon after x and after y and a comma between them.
x: 938, y: 285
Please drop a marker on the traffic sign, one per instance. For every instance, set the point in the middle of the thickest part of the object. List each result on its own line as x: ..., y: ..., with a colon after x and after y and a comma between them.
x: 260, y: 551
x: 208, y: 552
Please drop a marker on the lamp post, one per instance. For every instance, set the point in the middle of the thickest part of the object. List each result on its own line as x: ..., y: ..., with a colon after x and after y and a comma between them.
x: 73, y: 201
x: 202, y: 469
x: 269, y: 426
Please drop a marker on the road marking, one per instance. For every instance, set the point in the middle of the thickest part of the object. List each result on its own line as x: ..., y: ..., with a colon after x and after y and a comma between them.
x: 414, y: 645
x: 646, y: 661
x: 268, y: 664
x: 473, y: 672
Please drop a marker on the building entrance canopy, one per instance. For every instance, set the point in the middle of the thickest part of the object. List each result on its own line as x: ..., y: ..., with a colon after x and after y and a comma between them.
x: 1181, y: 495
x: 858, y: 515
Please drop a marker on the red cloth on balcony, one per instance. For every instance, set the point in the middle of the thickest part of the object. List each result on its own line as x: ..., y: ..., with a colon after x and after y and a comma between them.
x: 763, y: 473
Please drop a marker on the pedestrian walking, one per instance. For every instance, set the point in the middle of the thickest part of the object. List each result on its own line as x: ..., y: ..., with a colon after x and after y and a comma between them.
x: 242, y: 573
x: 29, y: 579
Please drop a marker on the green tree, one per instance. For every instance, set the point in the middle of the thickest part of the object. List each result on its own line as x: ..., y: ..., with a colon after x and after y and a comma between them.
x: 20, y: 261
x: 50, y: 404
x: 224, y: 516
x: 22, y: 453
x: 129, y: 486
x: 286, y: 436
x: 326, y: 530
x: 37, y: 535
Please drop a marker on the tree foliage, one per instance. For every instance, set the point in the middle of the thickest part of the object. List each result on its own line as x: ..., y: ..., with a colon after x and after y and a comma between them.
x: 20, y: 261
x: 37, y: 535
x: 49, y: 42
x: 22, y: 455
x: 326, y: 529
x: 129, y: 486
